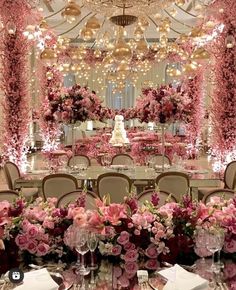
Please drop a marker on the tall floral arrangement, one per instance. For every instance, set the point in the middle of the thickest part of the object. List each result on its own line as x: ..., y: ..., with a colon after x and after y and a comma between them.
x: 163, y: 104
x: 14, y: 79
x: 50, y: 85
x: 224, y: 97
x: 79, y: 104
x: 194, y: 89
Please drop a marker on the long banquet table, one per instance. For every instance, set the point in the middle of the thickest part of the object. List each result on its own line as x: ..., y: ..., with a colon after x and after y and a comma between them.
x: 198, y: 178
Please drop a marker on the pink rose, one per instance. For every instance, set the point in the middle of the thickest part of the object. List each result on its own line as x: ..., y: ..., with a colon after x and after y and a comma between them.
x: 123, y: 281
x: 131, y: 267
x: 42, y: 249
x: 151, y: 251
x: 32, y: 231
x: 151, y: 264
x: 129, y: 246
x: 230, y: 246
x: 22, y: 241
x: 229, y: 270
x: 32, y: 247
x: 49, y: 224
x: 80, y: 217
x: 123, y: 238
x: 131, y: 256
x: 116, y: 250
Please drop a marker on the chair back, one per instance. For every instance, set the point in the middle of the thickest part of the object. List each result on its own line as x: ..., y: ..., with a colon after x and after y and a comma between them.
x: 55, y: 185
x: 226, y: 194
x: 122, y: 159
x: 71, y: 197
x: 230, y: 175
x: 79, y: 159
x: 9, y: 195
x: 157, y: 159
x: 12, y: 173
x: 177, y: 183
x: 163, y: 197
x: 117, y: 185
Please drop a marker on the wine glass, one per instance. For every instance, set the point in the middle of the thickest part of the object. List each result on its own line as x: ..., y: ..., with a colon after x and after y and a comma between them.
x: 200, y: 245
x: 214, y: 244
x: 106, y: 160
x: 82, y: 248
x: 92, y: 244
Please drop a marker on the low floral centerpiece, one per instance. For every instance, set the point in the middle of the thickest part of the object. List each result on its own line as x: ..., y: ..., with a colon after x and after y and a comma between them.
x: 131, y: 235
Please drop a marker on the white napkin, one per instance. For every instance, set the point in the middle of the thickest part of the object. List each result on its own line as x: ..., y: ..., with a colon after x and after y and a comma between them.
x: 38, y: 280
x: 180, y: 279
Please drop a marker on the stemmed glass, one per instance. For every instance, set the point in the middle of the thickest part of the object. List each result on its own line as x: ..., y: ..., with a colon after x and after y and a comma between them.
x: 214, y: 244
x: 106, y: 160
x: 82, y: 248
x: 92, y: 244
x: 201, y: 241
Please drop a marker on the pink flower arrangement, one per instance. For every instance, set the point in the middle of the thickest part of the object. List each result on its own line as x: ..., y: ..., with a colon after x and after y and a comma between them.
x: 163, y: 104
x: 79, y: 104
x: 143, y: 236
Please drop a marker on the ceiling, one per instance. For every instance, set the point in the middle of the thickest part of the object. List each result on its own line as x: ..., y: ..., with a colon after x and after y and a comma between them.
x: 182, y: 22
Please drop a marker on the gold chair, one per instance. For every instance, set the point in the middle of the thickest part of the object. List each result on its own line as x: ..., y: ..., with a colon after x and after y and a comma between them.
x: 177, y: 183
x: 117, y: 185
x: 229, y: 181
x: 56, y: 185
x: 122, y: 159
x: 12, y: 174
x: 224, y: 193
x: 9, y: 195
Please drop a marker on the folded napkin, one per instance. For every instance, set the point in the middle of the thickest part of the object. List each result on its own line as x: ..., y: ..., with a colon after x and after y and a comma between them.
x: 38, y: 280
x: 180, y: 279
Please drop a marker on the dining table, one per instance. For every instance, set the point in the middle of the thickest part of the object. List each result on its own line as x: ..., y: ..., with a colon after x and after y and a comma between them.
x: 140, y: 175
x: 109, y: 276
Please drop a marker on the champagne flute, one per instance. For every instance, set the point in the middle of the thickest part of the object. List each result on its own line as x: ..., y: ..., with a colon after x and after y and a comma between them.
x: 82, y: 248
x: 92, y: 244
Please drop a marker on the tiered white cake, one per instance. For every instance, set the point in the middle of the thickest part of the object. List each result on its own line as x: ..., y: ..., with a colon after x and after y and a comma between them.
x: 119, y: 134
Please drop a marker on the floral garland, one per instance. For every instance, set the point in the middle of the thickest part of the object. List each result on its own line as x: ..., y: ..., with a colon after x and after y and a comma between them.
x: 14, y: 80
x: 194, y: 89
x: 163, y: 104
x: 224, y: 97
x: 50, y: 85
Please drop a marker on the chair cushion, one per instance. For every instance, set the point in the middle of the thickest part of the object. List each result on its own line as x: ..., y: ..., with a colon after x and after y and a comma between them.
x: 30, y: 192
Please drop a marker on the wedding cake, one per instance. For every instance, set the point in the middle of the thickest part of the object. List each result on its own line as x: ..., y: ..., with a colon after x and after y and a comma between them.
x: 119, y: 134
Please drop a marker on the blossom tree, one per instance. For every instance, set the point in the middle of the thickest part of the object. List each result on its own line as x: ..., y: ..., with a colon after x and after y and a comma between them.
x: 224, y: 95
x: 194, y: 89
x: 14, y: 80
